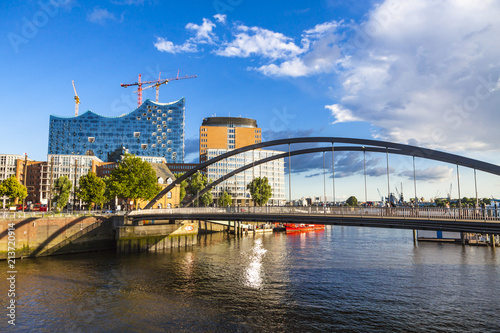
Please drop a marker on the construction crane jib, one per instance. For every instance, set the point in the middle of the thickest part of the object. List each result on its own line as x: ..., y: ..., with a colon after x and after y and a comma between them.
x: 153, y: 83
x: 77, y: 99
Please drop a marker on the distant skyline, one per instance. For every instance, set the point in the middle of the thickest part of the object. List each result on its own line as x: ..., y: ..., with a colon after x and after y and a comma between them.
x: 417, y: 72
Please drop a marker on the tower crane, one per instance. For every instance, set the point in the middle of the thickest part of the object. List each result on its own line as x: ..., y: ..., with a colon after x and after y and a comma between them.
x: 77, y: 99
x: 399, y: 194
x: 381, y: 197
x: 154, y: 83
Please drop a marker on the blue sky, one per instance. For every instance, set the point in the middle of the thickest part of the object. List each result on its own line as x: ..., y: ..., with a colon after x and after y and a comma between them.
x: 419, y: 72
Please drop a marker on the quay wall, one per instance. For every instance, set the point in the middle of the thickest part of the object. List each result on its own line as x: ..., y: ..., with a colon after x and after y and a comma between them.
x: 42, y: 236
x: 154, y: 238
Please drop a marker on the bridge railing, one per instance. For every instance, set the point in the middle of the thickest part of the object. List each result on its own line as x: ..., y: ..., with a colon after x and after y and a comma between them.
x: 478, y: 214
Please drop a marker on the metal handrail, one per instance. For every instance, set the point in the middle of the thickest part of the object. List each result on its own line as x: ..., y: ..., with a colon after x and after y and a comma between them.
x: 479, y: 214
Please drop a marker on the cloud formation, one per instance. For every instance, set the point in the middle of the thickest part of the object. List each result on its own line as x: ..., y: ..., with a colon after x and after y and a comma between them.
x: 425, y: 70
x: 419, y: 71
x: 434, y: 174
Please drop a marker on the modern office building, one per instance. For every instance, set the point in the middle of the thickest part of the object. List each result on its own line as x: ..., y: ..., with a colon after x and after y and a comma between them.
x: 227, y: 133
x: 219, y: 135
x: 237, y: 185
x: 70, y: 166
x: 9, y: 165
x: 153, y: 129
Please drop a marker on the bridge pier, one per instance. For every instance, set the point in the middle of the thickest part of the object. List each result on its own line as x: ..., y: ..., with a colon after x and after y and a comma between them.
x: 414, y: 236
x: 462, y: 238
x: 492, y: 238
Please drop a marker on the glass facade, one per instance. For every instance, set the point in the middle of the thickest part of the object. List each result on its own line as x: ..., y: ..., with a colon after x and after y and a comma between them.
x: 153, y: 129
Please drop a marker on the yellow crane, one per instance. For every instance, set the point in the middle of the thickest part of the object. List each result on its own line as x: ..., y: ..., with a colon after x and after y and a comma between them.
x: 77, y: 99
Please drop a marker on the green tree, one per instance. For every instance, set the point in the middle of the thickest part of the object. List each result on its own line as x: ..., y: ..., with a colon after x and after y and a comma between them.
x: 62, y: 191
x: 133, y: 179
x: 260, y: 190
x: 225, y: 200
x: 183, y: 186
x: 12, y: 188
x: 352, y: 201
x: 91, y: 190
x: 196, y: 184
x: 440, y: 202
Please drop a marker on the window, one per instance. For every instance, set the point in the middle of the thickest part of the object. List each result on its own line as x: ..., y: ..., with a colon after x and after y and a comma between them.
x: 144, y: 146
x: 169, y: 181
x: 169, y: 195
x: 169, y: 119
x: 91, y: 139
x: 137, y: 134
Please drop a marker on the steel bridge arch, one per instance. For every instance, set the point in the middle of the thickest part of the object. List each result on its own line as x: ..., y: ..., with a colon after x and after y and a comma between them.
x: 385, y: 146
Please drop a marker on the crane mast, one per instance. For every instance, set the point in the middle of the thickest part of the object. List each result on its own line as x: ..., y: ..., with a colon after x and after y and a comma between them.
x: 77, y: 99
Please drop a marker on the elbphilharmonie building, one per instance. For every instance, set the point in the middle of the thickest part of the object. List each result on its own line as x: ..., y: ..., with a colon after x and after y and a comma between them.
x: 153, y: 129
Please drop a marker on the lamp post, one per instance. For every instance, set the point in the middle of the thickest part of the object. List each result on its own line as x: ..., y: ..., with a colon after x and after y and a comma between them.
x: 24, y: 173
x: 74, y: 186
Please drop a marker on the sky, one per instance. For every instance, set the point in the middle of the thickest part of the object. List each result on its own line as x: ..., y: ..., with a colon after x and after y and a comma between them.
x: 418, y: 72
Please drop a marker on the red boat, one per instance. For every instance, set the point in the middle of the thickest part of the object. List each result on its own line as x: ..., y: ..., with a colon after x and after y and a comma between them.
x: 292, y: 227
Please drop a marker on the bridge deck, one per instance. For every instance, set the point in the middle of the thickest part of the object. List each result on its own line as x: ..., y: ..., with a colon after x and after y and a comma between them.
x: 464, y: 220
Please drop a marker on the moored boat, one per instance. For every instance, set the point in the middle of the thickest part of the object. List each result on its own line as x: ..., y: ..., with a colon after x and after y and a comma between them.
x: 292, y: 227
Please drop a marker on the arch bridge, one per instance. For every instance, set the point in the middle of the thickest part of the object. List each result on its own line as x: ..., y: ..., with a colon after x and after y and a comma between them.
x: 353, y: 144
x: 439, y: 219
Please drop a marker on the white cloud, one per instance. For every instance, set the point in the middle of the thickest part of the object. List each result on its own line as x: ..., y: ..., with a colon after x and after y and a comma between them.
x: 321, y: 29
x: 203, y: 32
x: 221, y: 18
x: 341, y: 114
x: 164, y: 45
x: 434, y: 174
x: 100, y: 16
x: 293, y: 68
x: 317, y: 53
x: 255, y: 41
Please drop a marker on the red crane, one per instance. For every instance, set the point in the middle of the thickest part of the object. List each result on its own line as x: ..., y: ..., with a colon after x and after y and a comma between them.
x: 155, y: 83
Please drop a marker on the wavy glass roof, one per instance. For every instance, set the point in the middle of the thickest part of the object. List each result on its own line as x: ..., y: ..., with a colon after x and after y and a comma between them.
x: 153, y: 129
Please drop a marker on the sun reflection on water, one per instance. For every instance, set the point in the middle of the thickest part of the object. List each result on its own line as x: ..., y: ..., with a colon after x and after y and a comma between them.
x: 254, y: 271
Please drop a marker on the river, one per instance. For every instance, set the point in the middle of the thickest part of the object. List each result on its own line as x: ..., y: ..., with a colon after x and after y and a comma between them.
x: 337, y: 280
